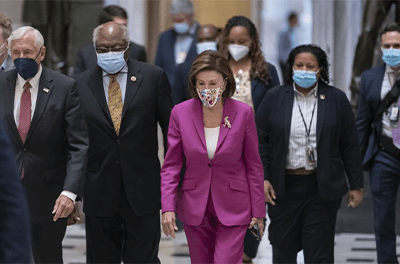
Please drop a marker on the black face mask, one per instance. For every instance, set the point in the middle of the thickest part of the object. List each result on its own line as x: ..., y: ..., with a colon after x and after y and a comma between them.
x: 26, y: 67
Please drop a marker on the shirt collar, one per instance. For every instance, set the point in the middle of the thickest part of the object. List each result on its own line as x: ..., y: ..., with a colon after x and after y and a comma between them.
x: 389, y: 69
x: 312, y: 93
x: 124, y: 70
x: 34, y: 82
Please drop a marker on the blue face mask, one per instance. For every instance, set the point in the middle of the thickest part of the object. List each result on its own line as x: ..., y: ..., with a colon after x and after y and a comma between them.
x: 305, y: 79
x: 203, y: 46
x: 111, y: 62
x: 391, y: 57
x: 181, y: 28
x: 26, y: 67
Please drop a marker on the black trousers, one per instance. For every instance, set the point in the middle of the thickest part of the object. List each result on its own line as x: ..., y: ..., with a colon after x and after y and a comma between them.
x: 302, y: 221
x: 47, y: 241
x: 123, y: 237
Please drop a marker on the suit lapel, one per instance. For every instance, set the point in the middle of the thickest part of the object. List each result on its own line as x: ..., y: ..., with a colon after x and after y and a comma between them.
x: 229, y: 112
x: 376, y: 93
x: 45, y: 84
x: 133, y: 82
x: 288, y: 106
x: 97, y: 88
x: 197, y: 118
x: 322, y: 101
x: 9, y: 94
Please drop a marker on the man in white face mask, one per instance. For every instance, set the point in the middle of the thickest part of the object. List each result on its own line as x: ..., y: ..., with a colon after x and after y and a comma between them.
x: 177, y: 45
x: 5, y: 30
x: 123, y: 100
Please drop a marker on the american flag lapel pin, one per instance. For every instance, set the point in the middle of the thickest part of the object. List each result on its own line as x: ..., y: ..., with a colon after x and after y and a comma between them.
x: 46, y: 90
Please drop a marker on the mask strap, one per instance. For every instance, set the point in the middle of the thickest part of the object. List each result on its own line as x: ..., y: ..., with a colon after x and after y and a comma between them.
x: 40, y: 49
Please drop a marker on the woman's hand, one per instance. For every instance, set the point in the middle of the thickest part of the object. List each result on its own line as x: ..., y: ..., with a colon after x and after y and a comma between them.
x: 260, y: 222
x: 169, y: 224
x: 269, y: 192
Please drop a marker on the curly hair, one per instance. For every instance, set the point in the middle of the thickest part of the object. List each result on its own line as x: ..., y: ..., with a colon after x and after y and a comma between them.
x: 259, y: 67
x: 319, y: 54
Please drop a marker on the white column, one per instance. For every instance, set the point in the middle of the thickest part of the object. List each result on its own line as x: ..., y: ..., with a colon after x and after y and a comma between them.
x: 137, y: 18
x: 348, y: 19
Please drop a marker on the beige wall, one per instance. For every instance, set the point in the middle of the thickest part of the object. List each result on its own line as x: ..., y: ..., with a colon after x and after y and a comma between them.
x: 218, y: 12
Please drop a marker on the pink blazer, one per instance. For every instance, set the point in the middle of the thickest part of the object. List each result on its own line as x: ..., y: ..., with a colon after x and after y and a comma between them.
x: 235, y: 174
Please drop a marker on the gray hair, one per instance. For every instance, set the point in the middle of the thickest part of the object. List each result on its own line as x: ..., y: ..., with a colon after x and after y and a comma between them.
x: 125, y: 32
x: 22, y: 31
x: 181, y: 6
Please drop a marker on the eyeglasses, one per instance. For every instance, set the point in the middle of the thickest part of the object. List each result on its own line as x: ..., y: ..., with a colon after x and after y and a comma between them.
x: 113, y: 49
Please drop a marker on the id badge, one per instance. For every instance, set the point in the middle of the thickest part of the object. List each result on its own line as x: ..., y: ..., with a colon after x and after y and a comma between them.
x: 181, y: 57
x: 311, y: 156
x: 394, y: 116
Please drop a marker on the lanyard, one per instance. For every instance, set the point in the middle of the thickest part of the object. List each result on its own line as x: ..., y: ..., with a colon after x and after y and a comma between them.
x: 302, y: 117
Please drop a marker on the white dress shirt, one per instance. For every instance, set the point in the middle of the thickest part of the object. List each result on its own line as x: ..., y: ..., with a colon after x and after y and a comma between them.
x: 297, y: 153
x: 121, y: 78
x: 211, y: 135
x: 386, y: 87
x: 19, y: 87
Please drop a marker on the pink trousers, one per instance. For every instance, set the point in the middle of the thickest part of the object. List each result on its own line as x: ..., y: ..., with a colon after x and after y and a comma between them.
x: 213, y: 242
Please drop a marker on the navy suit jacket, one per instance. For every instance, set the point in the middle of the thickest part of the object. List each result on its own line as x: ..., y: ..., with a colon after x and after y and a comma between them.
x: 165, y: 58
x: 87, y: 58
x: 258, y: 87
x: 337, y: 142
x: 14, y: 216
x: 368, y: 102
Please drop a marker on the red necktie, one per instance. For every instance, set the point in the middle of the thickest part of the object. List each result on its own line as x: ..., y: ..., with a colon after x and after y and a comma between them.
x: 25, y: 112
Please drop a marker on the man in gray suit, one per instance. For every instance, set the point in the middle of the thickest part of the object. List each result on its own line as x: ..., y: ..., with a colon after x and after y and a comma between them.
x: 5, y: 31
x: 43, y: 117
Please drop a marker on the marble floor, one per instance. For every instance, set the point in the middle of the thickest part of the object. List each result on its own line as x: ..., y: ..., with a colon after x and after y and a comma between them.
x: 349, y: 248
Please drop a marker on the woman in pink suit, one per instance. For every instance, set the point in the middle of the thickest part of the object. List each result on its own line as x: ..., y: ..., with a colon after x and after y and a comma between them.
x: 222, y: 192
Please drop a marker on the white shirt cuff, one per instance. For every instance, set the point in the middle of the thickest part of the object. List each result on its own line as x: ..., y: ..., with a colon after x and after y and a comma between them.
x: 70, y: 195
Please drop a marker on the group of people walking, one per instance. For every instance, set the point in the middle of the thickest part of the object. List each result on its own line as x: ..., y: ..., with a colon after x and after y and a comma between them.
x: 240, y: 142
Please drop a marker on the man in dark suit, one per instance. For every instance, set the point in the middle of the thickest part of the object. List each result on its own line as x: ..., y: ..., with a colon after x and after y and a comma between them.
x: 206, y: 40
x: 86, y: 56
x: 14, y: 216
x: 380, y: 155
x: 43, y: 116
x: 123, y: 100
x: 178, y: 44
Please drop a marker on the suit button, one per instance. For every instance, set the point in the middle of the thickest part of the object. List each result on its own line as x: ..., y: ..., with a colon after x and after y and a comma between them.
x: 24, y: 150
x: 117, y: 162
x: 209, y: 165
x: 118, y: 142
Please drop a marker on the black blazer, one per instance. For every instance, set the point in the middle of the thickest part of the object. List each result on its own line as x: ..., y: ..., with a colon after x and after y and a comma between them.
x: 15, y: 232
x: 87, y: 58
x: 368, y: 102
x: 165, y: 56
x: 337, y: 142
x: 54, y: 155
x: 129, y: 161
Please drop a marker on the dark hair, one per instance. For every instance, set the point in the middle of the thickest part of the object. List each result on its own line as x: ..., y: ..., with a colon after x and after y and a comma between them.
x: 259, y: 67
x: 319, y: 54
x: 292, y: 15
x: 210, y: 60
x: 392, y: 26
x: 5, y: 24
x: 109, y: 12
